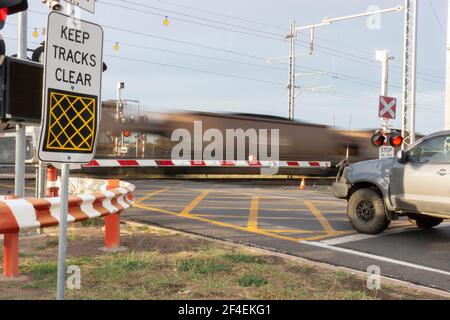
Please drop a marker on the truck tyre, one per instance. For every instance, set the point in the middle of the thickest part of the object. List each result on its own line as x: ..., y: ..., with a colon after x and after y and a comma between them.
x: 425, y: 222
x: 366, y: 212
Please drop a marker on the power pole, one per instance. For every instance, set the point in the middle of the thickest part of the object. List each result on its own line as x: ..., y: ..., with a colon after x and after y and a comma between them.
x: 20, y: 128
x: 291, y: 81
x: 447, y: 76
x: 312, y: 27
x: 383, y: 56
x: 409, y: 73
x: 119, y: 109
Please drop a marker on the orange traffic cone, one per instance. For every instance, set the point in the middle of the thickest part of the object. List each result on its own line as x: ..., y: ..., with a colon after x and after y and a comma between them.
x: 302, y: 184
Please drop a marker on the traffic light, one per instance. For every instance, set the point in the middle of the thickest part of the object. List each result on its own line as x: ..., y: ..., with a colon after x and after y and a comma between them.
x: 9, y: 7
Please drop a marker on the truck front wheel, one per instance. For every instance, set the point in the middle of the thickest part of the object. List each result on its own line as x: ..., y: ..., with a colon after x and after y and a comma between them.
x: 366, y: 212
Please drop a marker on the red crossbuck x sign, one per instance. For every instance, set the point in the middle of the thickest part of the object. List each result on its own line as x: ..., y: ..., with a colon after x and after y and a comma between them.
x: 387, y: 107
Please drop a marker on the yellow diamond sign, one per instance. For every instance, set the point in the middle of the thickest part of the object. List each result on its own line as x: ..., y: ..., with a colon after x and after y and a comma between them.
x: 71, y: 122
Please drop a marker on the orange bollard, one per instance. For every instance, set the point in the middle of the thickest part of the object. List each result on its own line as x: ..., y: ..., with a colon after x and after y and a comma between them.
x: 112, y: 223
x: 52, y: 178
x: 302, y: 184
x: 11, y: 255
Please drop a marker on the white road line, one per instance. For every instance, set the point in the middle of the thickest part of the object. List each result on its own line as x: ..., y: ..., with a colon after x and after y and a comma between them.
x: 361, y: 237
x: 375, y: 257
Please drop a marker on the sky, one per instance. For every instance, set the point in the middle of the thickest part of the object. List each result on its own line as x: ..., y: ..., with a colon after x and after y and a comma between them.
x: 213, y: 56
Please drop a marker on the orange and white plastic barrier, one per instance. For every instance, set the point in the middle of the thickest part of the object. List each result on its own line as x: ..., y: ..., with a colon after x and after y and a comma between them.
x: 33, y: 213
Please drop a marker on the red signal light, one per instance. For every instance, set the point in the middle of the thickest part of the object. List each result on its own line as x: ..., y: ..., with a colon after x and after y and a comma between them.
x: 3, y: 16
x: 378, y: 140
x: 396, y: 141
x: 127, y: 133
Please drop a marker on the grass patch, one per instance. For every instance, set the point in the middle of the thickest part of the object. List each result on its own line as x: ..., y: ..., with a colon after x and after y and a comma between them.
x: 342, y: 276
x: 43, y: 270
x: 250, y: 280
x: 122, y: 265
x: 355, y: 295
x: 93, y: 222
x: 242, y: 258
x: 202, y: 266
x: 187, y: 269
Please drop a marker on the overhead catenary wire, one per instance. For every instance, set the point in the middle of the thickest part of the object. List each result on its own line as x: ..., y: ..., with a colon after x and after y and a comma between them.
x: 258, y: 33
x: 437, y: 18
x: 269, y: 26
x: 223, y: 15
x: 325, y: 50
x: 194, y: 69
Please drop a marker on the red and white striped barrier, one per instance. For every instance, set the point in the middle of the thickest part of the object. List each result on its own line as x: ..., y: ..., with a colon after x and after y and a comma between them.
x: 30, y: 213
x: 112, y: 163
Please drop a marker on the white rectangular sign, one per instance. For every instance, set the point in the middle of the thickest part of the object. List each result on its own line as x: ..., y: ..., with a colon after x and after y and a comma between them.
x: 387, y: 152
x: 72, y: 87
x: 88, y: 5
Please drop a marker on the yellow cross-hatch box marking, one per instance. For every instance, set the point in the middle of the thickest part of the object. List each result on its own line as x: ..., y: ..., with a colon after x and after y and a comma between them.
x: 71, y: 122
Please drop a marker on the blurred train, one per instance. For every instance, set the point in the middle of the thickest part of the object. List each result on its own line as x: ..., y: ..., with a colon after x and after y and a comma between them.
x: 135, y: 136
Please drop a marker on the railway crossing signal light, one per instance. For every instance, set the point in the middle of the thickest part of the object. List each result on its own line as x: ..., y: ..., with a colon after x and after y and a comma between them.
x: 3, y: 16
x: 9, y: 7
x: 378, y: 139
x: 394, y: 139
x: 127, y: 133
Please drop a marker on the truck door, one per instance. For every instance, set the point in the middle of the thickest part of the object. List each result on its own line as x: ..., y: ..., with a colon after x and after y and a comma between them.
x: 422, y: 184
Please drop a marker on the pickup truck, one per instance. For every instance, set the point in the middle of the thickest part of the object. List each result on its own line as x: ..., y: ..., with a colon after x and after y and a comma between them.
x: 415, y: 184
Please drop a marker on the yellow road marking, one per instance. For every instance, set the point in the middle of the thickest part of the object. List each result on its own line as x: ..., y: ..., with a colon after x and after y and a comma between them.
x: 329, y: 202
x: 191, y: 206
x: 294, y: 231
x: 293, y: 210
x: 149, y: 195
x: 228, y: 225
x: 324, y: 222
x: 253, y: 214
x: 207, y: 215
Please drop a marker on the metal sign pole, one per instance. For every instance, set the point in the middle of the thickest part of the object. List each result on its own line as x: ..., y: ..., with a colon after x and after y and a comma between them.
x: 62, y: 246
x: 64, y: 196
x: 20, y: 129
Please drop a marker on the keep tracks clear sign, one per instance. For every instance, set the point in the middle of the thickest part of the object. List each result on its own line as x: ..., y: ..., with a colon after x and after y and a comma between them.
x: 72, y: 87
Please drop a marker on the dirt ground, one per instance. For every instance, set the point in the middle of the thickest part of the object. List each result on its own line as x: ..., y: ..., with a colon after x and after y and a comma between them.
x: 162, y: 264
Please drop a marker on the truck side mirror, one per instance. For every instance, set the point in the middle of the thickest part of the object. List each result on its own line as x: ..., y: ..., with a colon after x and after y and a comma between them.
x: 402, y: 156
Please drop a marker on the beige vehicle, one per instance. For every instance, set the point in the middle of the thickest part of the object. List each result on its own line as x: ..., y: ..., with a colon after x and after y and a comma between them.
x: 415, y: 184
